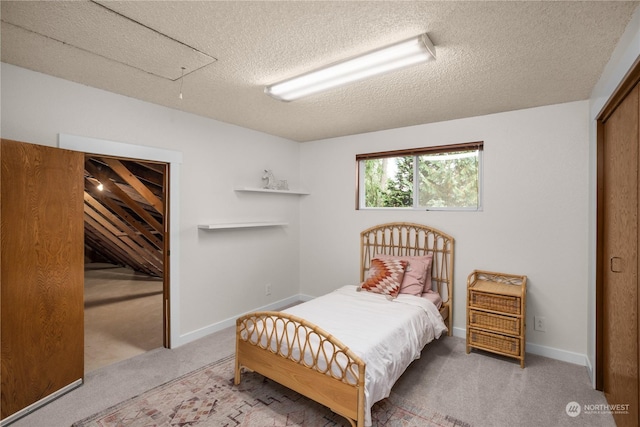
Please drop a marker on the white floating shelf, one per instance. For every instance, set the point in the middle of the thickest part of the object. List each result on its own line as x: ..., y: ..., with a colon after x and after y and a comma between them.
x: 241, y: 225
x: 266, y: 190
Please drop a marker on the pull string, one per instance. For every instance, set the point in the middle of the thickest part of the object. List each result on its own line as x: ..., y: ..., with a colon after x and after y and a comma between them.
x: 181, y: 82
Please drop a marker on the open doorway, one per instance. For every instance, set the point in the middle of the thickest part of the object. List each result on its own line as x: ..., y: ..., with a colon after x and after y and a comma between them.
x: 125, y: 223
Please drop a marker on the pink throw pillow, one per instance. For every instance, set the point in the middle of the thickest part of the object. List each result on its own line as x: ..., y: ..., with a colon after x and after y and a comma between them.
x: 417, y: 274
x: 427, y: 283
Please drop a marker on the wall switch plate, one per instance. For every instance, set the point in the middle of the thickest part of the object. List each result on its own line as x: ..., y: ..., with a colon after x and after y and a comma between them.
x: 539, y: 324
x: 267, y: 289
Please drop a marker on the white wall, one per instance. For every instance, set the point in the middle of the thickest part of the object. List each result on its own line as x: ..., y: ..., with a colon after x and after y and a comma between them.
x: 534, y: 222
x: 222, y: 273
x: 537, y: 220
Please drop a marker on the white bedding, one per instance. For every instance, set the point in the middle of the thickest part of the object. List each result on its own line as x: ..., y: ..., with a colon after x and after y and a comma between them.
x: 387, y: 334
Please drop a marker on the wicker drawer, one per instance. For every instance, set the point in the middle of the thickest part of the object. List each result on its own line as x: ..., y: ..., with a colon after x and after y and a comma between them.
x: 494, y: 322
x: 494, y: 342
x: 503, y: 303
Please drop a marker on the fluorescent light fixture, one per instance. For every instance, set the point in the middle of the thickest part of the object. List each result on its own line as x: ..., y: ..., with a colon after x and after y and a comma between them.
x: 400, y: 55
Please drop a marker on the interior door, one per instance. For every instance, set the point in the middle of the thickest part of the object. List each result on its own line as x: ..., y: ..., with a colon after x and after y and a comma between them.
x: 41, y: 280
x: 620, y: 258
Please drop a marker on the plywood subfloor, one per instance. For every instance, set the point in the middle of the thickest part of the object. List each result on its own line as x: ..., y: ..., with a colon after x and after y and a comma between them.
x: 123, y: 314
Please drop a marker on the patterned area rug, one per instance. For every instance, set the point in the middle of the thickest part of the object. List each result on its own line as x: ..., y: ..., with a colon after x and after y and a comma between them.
x: 208, y: 397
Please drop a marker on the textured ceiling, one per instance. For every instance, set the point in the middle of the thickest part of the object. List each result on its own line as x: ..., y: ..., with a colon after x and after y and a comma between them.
x: 491, y: 56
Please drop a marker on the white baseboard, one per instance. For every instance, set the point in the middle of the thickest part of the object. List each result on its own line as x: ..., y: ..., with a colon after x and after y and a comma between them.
x: 537, y: 349
x: 305, y: 298
x: 541, y: 350
x: 230, y: 322
x: 554, y: 353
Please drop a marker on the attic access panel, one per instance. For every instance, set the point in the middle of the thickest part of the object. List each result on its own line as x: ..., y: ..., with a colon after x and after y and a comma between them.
x: 94, y: 28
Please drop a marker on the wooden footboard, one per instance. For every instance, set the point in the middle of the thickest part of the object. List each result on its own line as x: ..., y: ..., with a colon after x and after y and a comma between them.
x: 304, y: 358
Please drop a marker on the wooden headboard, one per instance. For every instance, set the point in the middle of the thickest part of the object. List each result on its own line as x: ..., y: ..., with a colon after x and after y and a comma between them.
x: 409, y: 239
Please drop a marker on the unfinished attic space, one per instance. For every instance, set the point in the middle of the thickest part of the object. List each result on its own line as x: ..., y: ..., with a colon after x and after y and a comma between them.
x: 124, y: 238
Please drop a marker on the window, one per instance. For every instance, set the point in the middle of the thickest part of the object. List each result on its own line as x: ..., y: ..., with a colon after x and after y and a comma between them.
x: 432, y: 178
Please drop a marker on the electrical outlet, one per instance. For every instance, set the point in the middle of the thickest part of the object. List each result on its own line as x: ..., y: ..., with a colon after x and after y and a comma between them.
x: 267, y: 289
x: 539, y: 324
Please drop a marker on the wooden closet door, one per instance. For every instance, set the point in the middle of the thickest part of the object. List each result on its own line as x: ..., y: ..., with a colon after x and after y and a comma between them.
x: 41, y: 280
x: 620, y: 258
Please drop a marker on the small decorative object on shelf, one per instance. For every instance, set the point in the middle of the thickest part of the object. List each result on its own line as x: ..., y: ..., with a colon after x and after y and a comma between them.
x: 273, y: 183
x: 496, y: 304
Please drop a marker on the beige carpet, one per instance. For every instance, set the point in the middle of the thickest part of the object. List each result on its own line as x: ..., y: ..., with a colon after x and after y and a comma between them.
x: 208, y: 397
x: 478, y: 388
x: 123, y: 314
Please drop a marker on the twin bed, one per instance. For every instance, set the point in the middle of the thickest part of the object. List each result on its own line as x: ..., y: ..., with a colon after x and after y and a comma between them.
x: 346, y: 349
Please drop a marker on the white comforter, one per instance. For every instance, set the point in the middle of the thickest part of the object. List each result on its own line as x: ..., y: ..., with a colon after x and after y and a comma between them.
x: 387, y: 334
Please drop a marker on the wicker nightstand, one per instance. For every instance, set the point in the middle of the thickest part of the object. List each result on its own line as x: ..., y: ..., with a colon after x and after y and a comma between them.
x: 496, y: 313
